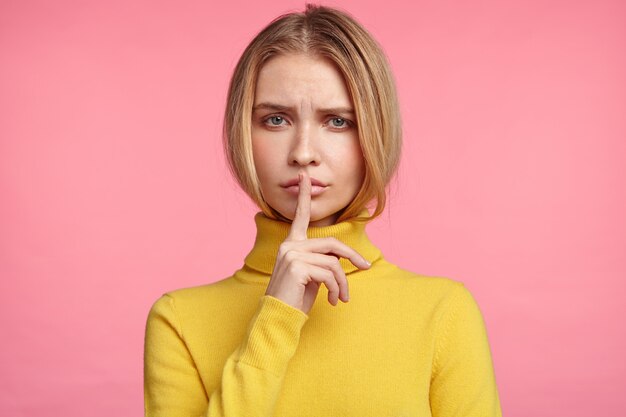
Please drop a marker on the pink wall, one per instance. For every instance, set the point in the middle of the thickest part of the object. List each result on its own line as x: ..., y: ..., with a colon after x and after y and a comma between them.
x: 113, y: 189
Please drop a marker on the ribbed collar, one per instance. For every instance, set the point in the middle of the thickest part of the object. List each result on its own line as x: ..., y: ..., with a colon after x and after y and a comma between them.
x: 271, y: 233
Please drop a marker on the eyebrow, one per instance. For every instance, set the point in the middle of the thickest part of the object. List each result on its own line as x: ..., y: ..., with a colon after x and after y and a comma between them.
x: 280, y: 107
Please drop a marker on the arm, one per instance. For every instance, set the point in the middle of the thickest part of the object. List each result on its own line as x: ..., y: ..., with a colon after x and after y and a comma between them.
x: 463, y: 380
x: 253, y: 374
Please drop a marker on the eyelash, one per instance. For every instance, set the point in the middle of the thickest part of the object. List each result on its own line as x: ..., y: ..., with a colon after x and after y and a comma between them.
x: 348, y: 123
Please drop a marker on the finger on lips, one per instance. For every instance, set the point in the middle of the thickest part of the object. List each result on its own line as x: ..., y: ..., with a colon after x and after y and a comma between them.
x: 322, y: 267
x: 302, y: 215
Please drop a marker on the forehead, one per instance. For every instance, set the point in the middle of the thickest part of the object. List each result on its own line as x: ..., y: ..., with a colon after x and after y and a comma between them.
x: 296, y: 79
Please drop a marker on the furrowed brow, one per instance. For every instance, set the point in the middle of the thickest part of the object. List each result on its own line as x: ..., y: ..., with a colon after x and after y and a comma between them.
x: 280, y: 107
x: 337, y: 110
x: 271, y: 106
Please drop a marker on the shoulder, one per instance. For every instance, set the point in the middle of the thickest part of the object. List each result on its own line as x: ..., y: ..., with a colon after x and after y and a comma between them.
x: 452, y: 306
x: 432, y: 286
x: 198, y: 291
x: 433, y: 296
x: 199, y: 296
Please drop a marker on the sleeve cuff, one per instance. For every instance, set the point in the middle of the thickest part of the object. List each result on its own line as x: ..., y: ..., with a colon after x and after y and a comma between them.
x: 273, y: 335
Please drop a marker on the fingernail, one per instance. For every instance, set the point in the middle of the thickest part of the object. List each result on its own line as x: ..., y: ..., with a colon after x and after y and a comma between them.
x: 368, y: 263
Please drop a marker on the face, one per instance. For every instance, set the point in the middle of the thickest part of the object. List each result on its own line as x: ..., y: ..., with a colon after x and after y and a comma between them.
x: 303, y: 117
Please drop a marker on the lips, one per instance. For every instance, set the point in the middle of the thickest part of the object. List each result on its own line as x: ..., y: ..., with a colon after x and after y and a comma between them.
x: 295, y: 181
x: 293, y: 187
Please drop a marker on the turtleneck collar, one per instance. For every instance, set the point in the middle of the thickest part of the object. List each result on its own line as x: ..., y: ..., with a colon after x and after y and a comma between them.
x: 271, y: 233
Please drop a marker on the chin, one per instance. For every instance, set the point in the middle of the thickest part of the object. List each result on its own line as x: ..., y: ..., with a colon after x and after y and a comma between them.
x: 317, y: 214
x: 326, y: 216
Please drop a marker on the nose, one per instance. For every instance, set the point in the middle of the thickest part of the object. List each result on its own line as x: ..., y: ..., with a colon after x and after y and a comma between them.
x: 304, y: 150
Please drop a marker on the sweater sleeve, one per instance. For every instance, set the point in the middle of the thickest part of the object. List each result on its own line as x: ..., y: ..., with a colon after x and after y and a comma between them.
x: 252, y: 376
x: 463, y: 380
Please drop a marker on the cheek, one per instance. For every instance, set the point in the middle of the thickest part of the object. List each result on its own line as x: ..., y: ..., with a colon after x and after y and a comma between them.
x: 351, y: 159
x: 261, y: 154
x: 348, y: 167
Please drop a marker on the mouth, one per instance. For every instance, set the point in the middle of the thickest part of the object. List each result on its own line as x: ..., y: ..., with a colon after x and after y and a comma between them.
x: 294, y: 181
x: 315, y: 189
x: 292, y: 187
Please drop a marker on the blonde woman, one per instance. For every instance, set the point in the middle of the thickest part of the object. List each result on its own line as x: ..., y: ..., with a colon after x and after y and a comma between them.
x: 312, y: 134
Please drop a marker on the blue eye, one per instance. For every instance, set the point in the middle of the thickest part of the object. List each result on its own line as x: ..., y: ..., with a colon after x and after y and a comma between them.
x: 339, y: 122
x: 277, y: 119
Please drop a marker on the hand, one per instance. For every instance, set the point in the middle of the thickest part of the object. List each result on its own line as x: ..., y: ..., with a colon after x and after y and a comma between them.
x: 303, y: 264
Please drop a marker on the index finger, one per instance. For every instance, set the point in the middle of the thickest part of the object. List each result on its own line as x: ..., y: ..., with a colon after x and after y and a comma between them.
x: 303, y: 209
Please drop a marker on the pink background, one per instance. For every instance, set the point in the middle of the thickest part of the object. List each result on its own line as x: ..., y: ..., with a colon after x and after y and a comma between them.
x: 113, y: 188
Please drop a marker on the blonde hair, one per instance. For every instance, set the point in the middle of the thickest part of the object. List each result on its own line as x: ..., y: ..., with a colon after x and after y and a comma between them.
x: 333, y: 34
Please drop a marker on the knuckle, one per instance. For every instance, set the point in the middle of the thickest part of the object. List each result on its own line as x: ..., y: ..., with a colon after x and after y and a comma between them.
x: 330, y: 275
x: 289, y: 256
x: 335, y: 264
x: 283, y: 248
x: 294, y: 268
x: 342, y: 276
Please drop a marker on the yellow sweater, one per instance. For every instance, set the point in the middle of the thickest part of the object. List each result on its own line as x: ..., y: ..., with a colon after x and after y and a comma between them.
x: 404, y: 345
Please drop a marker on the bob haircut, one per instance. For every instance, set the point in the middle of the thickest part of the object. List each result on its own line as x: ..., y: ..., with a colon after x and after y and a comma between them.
x: 326, y: 33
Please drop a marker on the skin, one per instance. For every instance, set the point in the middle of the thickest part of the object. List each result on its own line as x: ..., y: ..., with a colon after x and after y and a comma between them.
x: 304, y: 136
x: 299, y: 141
x: 303, y: 264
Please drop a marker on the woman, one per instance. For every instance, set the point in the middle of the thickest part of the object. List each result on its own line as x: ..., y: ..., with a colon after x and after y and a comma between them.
x: 312, y: 134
